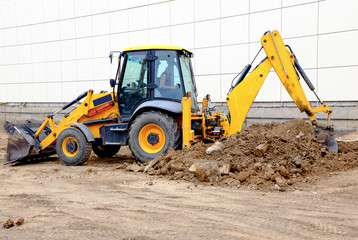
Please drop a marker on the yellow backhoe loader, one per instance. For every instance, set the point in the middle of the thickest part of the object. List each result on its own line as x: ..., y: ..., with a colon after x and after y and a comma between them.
x: 153, y: 107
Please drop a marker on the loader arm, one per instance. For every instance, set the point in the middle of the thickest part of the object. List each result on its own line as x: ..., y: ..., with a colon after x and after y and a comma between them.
x: 282, y: 60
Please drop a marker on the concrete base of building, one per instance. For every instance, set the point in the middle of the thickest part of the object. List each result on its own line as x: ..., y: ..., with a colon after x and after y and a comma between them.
x: 344, y: 116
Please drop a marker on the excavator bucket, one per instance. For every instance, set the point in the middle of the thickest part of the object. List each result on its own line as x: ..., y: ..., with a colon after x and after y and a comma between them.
x: 22, y: 146
x: 328, y: 140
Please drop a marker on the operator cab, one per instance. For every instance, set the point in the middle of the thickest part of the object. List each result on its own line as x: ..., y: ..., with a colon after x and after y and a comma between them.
x: 162, y: 74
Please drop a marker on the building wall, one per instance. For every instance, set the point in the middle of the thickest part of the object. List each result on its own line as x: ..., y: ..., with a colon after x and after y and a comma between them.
x: 53, y: 50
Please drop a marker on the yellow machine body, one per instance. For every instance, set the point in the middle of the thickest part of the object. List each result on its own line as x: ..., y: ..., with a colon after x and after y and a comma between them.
x: 158, y: 125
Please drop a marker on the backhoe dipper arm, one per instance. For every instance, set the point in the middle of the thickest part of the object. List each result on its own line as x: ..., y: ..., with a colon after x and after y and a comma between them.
x: 282, y: 60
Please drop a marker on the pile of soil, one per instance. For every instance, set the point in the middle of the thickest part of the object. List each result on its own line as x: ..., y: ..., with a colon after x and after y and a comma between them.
x: 269, y: 156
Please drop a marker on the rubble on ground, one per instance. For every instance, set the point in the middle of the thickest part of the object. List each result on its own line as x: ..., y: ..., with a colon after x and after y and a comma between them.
x: 270, y: 156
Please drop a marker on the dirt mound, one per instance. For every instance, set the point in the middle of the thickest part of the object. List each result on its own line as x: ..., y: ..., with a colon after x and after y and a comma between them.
x: 269, y: 156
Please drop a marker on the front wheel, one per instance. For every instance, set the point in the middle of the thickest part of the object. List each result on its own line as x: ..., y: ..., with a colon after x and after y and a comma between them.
x: 152, y: 134
x: 72, y: 147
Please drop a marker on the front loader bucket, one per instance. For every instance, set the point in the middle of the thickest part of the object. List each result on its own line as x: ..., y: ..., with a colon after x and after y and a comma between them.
x: 22, y: 146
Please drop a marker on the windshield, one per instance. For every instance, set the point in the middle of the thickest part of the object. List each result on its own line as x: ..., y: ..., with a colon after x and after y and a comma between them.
x: 188, y: 79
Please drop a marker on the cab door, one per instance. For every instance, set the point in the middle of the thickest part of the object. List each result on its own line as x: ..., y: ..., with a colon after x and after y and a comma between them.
x: 133, y: 87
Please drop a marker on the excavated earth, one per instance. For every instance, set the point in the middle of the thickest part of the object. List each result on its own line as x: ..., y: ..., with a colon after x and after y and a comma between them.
x: 266, y: 157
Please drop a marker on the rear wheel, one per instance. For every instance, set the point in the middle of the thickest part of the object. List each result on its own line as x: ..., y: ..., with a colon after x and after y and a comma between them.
x: 104, y: 151
x: 72, y: 147
x: 152, y: 134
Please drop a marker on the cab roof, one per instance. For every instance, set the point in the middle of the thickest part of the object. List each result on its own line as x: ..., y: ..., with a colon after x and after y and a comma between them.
x: 155, y: 47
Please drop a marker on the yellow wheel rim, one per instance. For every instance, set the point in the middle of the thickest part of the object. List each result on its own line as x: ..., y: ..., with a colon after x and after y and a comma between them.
x: 70, y: 146
x: 151, y: 138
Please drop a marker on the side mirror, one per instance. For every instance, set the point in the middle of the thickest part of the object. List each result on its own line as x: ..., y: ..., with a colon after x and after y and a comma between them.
x: 112, y: 83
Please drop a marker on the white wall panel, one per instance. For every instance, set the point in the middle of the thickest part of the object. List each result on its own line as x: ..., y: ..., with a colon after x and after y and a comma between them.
x: 159, y: 15
x: 338, y: 84
x: 119, y: 41
x: 83, y: 27
x: 182, y: 11
x: 137, y: 3
x: 52, y: 31
x: 69, y: 72
x: 12, y: 74
x: 69, y: 91
x: 13, y: 93
x: 100, y: 6
x: 117, y: 5
x: 83, y: 8
x: 22, y: 12
x: 40, y: 92
x: 84, y: 70
x: 234, y: 7
x: 51, y: 12
x: 23, y: 35
x: 235, y: 30
x: 287, y: 3
x: 2, y: 37
x: 262, y: 22
x: 338, y: 15
x: 25, y: 54
x: 53, y: 51
x: 53, y: 72
x: 264, y: 5
x: 207, y: 61
x: 3, y: 91
x: 233, y: 58
x: 138, y: 18
x: 84, y: 48
x: 66, y: 9
x: 38, y: 52
x: 183, y: 35
x: 159, y: 35
x: 100, y: 24
x: 37, y: 33
x: 207, y: 34
x: 209, y: 85
x: 138, y: 37
x: 101, y: 69
x: 83, y: 86
x: 11, y: 55
x: 64, y: 44
x: 39, y: 72
x: 9, y: 14
x: 2, y: 56
x: 68, y: 50
x: 25, y: 73
x: 26, y: 92
x: 294, y: 24
x: 102, y: 85
x: 10, y: 36
x: 118, y: 22
x: 55, y: 92
x: 205, y: 10
x: 67, y: 29
x: 36, y: 10
x: 338, y: 49
x: 270, y: 90
x: 101, y: 46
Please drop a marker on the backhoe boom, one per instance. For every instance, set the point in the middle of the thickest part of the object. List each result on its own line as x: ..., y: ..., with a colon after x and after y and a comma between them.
x: 283, y: 61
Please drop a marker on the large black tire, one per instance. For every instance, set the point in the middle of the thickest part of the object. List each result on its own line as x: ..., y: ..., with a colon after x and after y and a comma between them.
x: 72, y: 147
x: 104, y: 151
x: 152, y: 134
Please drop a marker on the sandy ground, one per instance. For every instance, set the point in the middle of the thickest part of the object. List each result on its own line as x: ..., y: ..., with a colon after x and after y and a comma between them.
x: 100, y: 200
